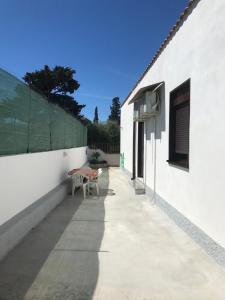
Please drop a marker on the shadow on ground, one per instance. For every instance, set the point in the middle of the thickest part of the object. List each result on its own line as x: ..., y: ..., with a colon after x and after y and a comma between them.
x: 58, y: 259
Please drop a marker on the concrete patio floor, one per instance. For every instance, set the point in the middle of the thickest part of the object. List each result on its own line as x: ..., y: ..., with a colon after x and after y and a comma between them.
x: 115, y: 247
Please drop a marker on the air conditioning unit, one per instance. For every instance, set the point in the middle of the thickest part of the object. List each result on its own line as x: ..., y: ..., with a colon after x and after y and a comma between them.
x: 136, y: 114
x: 138, y: 109
x: 151, y: 105
x: 148, y: 104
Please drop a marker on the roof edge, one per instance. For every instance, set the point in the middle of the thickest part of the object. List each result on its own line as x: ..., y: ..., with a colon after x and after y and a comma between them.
x: 184, y: 15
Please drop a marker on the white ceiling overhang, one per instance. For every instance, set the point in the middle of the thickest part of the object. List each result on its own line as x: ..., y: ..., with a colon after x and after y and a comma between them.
x: 139, y: 94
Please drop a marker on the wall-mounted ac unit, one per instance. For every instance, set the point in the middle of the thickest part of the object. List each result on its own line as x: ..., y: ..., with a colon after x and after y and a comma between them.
x: 148, y: 105
x: 136, y: 114
x: 151, y: 105
x: 138, y: 109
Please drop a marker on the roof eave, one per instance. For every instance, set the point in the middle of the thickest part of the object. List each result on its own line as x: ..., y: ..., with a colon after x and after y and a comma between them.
x: 185, y: 14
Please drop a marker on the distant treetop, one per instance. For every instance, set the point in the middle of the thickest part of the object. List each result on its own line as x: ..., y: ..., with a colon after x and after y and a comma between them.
x: 115, y: 110
x: 96, y: 119
x: 57, y: 84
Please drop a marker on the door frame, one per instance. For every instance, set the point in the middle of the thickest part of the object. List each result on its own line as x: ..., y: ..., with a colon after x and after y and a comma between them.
x: 138, y: 149
x: 134, y: 152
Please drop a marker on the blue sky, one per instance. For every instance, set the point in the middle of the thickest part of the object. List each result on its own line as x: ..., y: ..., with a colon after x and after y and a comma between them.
x: 108, y: 42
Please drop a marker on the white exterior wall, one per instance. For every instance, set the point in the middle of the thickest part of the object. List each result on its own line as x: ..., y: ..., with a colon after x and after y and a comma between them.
x: 126, y: 135
x: 196, y: 52
x: 25, y: 178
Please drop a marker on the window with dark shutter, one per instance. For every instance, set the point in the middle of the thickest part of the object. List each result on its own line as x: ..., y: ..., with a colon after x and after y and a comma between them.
x: 179, y: 125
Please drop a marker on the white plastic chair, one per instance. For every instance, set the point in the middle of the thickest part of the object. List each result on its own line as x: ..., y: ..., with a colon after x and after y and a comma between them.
x: 94, y: 181
x: 78, y: 181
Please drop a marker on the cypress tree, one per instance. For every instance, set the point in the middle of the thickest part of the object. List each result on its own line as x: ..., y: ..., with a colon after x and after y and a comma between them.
x: 96, y: 116
x: 115, y: 110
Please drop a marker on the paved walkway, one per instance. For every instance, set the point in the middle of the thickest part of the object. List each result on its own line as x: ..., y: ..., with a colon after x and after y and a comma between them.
x: 116, y: 247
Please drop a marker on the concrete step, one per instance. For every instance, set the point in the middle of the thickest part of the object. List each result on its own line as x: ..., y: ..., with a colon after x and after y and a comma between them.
x: 139, y: 187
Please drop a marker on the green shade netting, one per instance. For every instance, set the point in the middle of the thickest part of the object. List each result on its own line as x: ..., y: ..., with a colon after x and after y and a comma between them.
x: 29, y: 123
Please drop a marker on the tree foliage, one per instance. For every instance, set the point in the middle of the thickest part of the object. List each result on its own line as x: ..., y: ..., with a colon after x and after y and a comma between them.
x: 58, y: 85
x: 115, y: 110
x: 96, y: 119
x: 104, y: 133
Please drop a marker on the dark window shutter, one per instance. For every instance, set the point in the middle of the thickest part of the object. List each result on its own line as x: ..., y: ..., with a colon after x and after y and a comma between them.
x: 179, y: 125
x: 182, y: 130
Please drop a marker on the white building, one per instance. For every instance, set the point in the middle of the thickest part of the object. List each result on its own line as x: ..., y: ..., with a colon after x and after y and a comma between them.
x: 176, y: 148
